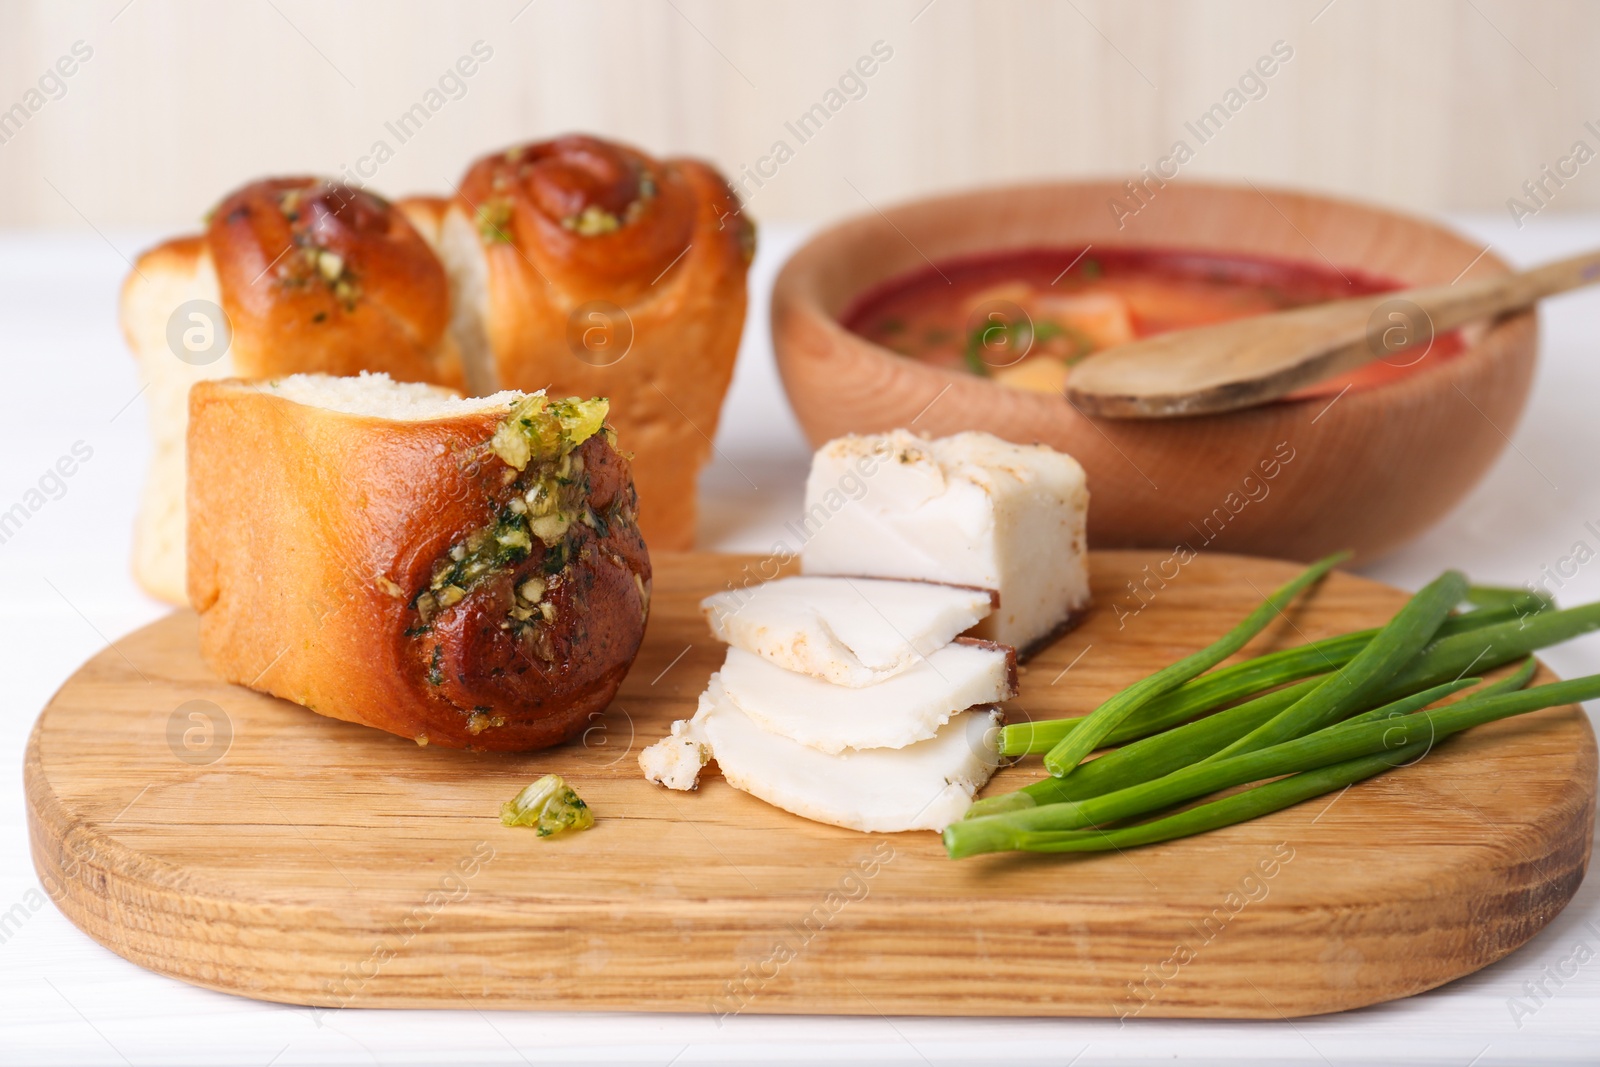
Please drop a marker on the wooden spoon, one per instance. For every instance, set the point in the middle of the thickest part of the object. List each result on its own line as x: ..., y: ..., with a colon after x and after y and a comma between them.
x: 1251, y: 361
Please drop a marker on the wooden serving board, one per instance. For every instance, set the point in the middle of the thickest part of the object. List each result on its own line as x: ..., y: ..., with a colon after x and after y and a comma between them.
x: 263, y: 850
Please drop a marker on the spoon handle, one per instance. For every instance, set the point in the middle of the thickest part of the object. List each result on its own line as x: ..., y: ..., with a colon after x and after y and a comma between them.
x: 1450, y: 306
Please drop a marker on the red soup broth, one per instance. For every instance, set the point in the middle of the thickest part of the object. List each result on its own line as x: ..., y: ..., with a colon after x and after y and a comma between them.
x: 1025, y: 317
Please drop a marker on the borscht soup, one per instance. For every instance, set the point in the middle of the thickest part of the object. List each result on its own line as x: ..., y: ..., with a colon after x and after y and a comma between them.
x: 1024, y: 318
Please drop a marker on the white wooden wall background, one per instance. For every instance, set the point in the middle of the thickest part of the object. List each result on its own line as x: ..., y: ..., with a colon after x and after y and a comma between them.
x: 1425, y: 104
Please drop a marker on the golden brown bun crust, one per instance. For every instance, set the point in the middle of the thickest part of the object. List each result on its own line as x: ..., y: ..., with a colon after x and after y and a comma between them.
x: 312, y: 532
x: 535, y: 198
x: 675, y: 263
x: 386, y: 308
x: 318, y: 276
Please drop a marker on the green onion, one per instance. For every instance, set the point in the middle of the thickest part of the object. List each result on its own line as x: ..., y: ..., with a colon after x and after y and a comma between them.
x: 1499, y: 597
x: 1164, y: 753
x: 1196, y: 696
x: 1491, y: 646
x: 1239, y: 680
x: 1509, y: 684
x: 1071, y: 750
x: 1149, y: 758
x: 1340, y: 693
x: 1447, y: 658
x: 1336, y: 744
x: 1066, y: 814
x: 1240, y: 807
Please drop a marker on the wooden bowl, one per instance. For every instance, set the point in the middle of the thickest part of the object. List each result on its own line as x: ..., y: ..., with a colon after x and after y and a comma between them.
x: 1294, y: 479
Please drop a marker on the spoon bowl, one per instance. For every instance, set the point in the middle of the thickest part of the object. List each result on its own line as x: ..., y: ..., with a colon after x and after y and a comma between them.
x: 1232, y: 365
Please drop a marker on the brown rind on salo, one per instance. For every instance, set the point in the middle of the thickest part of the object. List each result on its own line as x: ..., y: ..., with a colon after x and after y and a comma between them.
x: 996, y: 646
x: 1061, y: 629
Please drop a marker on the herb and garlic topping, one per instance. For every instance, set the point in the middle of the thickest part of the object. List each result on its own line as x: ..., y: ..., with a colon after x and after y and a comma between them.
x: 537, y: 441
x: 587, y: 187
x: 316, y: 214
x: 521, y: 609
x: 315, y: 274
x: 494, y: 221
x: 550, y: 806
x: 539, y: 428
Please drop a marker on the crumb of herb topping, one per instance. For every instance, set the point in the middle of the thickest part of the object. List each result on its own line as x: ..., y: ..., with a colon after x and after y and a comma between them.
x: 549, y: 806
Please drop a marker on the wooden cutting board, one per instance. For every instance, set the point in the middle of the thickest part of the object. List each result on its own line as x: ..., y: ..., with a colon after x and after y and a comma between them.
x: 244, y: 844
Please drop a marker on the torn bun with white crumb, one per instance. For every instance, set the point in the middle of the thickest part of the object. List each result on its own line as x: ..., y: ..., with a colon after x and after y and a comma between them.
x: 467, y: 573
x: 289, y: 275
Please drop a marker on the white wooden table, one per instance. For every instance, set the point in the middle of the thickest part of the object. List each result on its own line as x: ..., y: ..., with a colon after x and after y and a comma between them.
x: 66, y: 1000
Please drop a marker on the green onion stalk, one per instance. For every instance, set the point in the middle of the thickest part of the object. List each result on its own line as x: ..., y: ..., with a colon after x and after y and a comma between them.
x: 1400, y: 727
x: 1341, y: 693
x: 1071, y: 749
x: 1446, y: 659
x: 1254, y: 676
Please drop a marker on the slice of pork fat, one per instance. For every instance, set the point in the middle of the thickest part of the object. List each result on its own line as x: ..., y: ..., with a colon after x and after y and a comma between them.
x: 969, y: 510
x: 905, y: 709
x: 925, y: 786
x: 848, y: 631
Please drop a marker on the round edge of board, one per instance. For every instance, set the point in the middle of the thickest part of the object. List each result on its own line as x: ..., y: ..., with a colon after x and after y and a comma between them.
x: 496, y: 947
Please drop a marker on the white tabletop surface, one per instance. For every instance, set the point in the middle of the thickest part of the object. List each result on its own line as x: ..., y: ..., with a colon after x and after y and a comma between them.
x: 66, y: 1000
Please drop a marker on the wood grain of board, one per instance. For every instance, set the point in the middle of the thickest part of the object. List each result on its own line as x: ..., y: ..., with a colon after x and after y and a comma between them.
x: 281, y: 855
